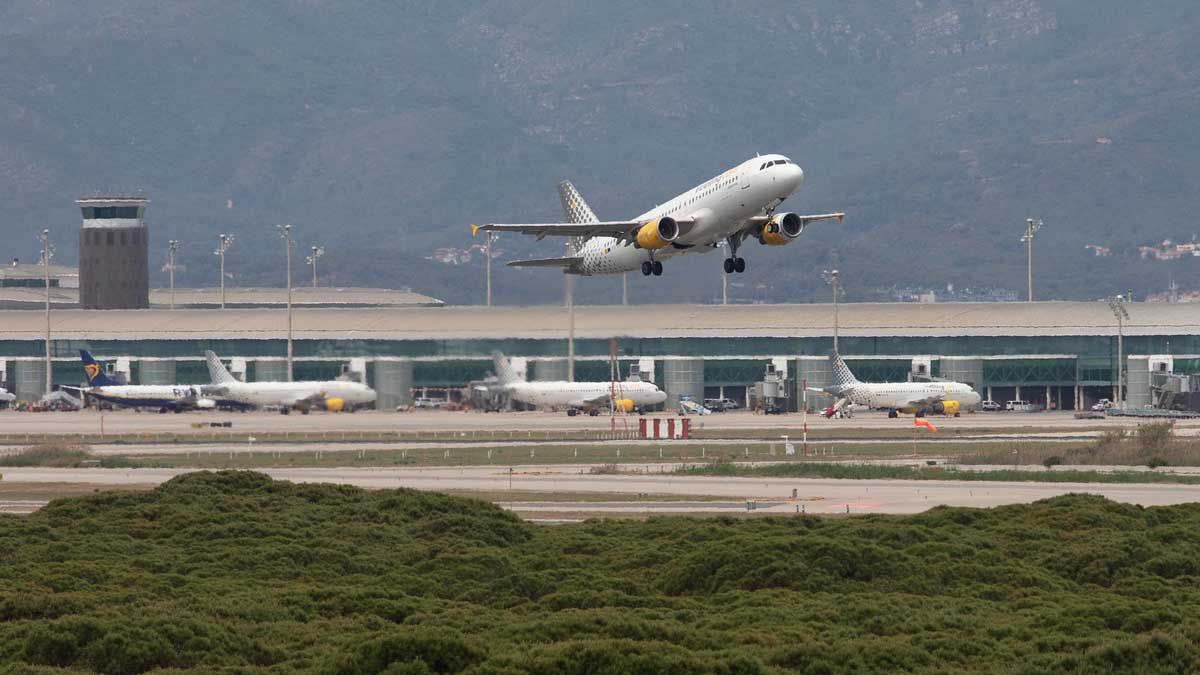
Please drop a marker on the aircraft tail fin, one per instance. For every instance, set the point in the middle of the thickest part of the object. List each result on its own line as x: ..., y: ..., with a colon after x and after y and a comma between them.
x: 94, y: 371
x: 842, y: 377
x: 505, y: 373
x: 217, y: 372
x: 576, y: 210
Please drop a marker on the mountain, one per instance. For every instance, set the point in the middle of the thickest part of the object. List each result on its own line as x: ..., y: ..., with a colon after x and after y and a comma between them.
x: 381, y: 129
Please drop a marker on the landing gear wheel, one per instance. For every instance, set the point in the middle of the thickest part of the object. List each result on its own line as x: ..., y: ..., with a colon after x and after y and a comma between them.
x: 729, y: 265
x: 571, y: 412
x: 892, y: 414
x: 739, y: 264
x: 657, y: 268
x: 647, y: 268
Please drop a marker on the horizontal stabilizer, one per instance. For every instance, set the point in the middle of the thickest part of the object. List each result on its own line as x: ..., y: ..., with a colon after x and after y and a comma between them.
x: 548, y: 262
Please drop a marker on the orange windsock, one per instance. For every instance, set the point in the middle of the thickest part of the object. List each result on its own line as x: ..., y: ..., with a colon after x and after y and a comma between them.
x: 922, y: 422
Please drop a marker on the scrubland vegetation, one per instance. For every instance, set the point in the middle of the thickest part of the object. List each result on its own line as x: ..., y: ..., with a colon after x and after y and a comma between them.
x: 236, y: 571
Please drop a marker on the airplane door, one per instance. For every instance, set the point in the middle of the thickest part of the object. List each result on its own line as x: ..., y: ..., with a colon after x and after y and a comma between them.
x: 743, y: 180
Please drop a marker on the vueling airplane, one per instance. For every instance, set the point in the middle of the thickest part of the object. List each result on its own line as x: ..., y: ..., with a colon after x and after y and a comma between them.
x: 333, y: 395
x: 918, y: 398
x: 628, y: 396
x: 737, y: 205
x: 165, y: 397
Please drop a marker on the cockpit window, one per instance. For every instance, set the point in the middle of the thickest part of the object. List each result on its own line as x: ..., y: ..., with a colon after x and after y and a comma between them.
x: 782, y: 161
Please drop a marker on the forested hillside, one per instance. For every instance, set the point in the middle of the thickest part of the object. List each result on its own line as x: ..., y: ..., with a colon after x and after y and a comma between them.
x: 235, y: 571
x: 380, y: 129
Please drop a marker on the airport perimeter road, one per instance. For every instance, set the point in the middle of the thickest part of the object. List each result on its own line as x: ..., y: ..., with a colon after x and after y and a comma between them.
x: 131, y: 422
x: 772, y: 495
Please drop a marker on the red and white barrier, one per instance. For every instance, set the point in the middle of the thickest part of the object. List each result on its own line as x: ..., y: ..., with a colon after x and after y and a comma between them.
x: 664, y: 428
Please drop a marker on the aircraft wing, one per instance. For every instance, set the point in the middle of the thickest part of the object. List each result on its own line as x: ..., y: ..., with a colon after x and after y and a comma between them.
x: 759, y: 221
x: 621, y: 229
x: 547, y: 262
x: 920, y: 402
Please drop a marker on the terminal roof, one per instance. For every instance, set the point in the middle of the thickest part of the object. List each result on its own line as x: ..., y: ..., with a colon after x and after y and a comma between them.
x: 1017, y: 319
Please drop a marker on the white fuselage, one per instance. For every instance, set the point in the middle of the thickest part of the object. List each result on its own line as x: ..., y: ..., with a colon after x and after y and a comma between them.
x: 721, y: 206
x: 294, y: 393
x: 583, y: 394
x: 147, y: 395
x: 900, y: 395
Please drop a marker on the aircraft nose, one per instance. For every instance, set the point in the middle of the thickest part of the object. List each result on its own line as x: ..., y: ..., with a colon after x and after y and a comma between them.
x: 795, y: 176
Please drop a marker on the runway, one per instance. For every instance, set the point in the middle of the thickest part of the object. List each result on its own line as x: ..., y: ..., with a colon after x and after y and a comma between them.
x: 773, y: 496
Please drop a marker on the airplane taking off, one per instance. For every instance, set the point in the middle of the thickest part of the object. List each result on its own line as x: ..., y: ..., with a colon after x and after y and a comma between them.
x: 737, y: 205
x: 628, y: 396
x: 165, y: 397
x: 333, y: 395
x: 917, y: 398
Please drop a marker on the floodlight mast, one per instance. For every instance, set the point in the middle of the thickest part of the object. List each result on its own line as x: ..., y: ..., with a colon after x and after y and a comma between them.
x: 46, y: 254
x: 1031, y: 227
x: 172, y: 247
x: 832, y: 277
x: 285, y: 233
x: 317, y: 252
x: 225, y: 242
x: 1117, y: 305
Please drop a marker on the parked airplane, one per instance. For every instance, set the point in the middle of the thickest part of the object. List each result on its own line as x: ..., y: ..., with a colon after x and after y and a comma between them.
x: 738, y: 204
x: 165, y: 397
x: 6, y: 397
x: 628, y: 396
x: 919, y: 398
x: 333, y: 395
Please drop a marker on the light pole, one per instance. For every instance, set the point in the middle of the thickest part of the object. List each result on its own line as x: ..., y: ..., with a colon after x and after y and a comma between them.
x: 1031, y: 226
x: 317, y: 252
x: 625, y: 289
x: 285, y: 233
x: 172, y: 247
x: 225, y: 242
x: 831, y: 278
x: 47, y: 254
x: 1117, y: 305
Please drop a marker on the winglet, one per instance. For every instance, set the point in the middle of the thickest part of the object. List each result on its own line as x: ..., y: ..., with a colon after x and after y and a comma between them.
x: 474, y: 229
x: 841, y: 218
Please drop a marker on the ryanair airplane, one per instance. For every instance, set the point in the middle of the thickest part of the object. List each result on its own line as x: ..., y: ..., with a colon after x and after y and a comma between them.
x: 737, y: 205
x: 165, y: 397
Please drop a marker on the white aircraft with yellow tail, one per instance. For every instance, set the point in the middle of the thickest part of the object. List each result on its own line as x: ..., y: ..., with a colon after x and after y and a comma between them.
x: 737, y: 205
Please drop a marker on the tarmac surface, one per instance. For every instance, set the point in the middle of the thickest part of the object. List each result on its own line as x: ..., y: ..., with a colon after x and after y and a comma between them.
x: 773, y: 495
x: 129, y: 421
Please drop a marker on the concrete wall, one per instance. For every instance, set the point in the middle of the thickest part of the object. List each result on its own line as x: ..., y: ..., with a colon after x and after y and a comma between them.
x: 1137, y: 382
x: 680, y: 377
x: 968, y: 370
x: 270, y: 371
x: 393, y: 383
x: 30, y: 380
x: 157, y: 372
x: 819, y: 373
x: 550, y: 370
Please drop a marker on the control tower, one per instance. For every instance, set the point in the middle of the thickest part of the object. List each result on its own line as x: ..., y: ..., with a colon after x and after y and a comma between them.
x: 114, y: 271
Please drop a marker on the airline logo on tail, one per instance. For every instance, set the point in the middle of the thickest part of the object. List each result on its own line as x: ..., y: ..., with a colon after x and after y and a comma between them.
x: 216, y: 370
x: 842, y: 377
x: 505, y: 374
x: 93, y: 371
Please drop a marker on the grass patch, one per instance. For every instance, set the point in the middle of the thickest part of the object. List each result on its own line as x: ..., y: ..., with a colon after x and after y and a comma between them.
x: 64, y: 456
x: 235, y: 572
x: 881, y: 472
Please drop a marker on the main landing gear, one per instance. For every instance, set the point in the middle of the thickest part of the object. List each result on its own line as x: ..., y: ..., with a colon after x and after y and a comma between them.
x: 654, y: 267
x: 735, y: 265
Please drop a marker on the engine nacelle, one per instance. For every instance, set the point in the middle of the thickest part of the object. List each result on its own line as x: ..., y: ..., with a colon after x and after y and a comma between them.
x: 658, y: 233
x: 624, y: 405
x: 335, y: 404
x: 947, y: 407
x: 782, y: 228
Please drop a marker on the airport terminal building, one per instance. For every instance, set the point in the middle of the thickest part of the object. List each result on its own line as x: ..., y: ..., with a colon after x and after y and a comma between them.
x: 1058, y: 354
